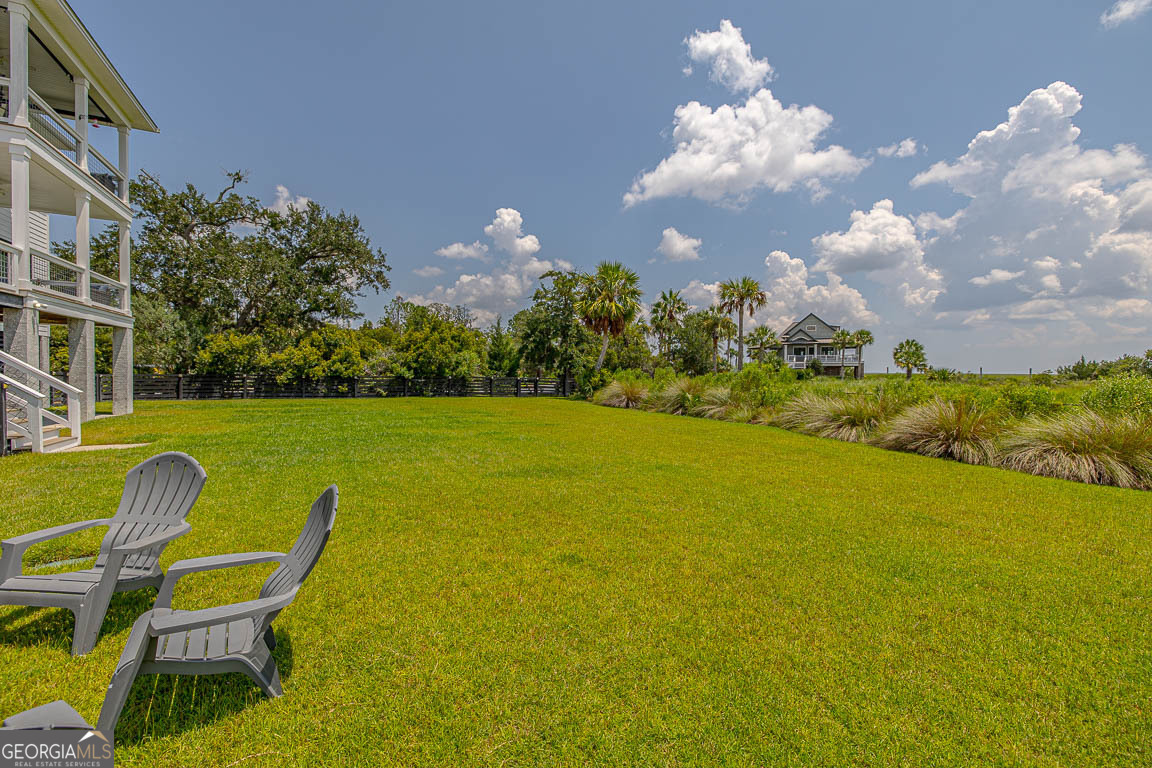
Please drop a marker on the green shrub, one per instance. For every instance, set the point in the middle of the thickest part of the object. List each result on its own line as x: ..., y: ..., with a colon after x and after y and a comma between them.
x: 680, y: 396
x: 715, y: 403
x: 622, y: 393
x: 943, y: 374
x: 1128, y: 393
x: 954, y: 429
x: 761, y: 385
x: 1085, y: 446
x: 1021, y: 401
x: 851, y: 418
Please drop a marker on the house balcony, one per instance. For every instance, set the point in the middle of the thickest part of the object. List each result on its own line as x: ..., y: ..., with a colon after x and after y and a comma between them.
x: 801, y: 361
x: 63, y: 163
x: 57, y: 280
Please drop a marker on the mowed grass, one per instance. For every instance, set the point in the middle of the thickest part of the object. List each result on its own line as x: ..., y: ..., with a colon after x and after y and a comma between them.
x: 541, y: 582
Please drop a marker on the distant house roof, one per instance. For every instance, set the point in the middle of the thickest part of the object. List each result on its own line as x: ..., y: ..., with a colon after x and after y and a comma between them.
x: 809, y: 328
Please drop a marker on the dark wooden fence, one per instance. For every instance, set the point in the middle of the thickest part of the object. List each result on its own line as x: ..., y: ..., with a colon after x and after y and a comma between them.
x: 161, y: 387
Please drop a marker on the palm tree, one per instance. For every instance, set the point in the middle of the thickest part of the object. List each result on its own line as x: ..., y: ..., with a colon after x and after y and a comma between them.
x: 714, y: 324
x: 609, y: 300
x: 669, y: 309
x: 737, y: 294
x: 909, y: 355
x: 728, y: 331
x: 841, y: 339
x: 861, y: 339
x: 761, y: 338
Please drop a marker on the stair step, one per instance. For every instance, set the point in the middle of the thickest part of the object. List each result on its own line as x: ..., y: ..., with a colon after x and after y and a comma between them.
x: 52, y: 444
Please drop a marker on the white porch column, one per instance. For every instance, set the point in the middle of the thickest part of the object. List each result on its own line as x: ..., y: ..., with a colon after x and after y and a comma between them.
x: 122, y: 161
x: 20, y: 157
x: 84, y: 243
x: 81, y: 112
x: 126, y: 264
x: 82, y: 364
x: 122, y: 371
x: 18, y: 63
x: 44, y: 334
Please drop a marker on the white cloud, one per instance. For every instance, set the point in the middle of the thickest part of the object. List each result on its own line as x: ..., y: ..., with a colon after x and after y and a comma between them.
x: 1124, y: 10
x: 1052, y: 230
x: 905, y: 148
x: 729, y: 58
x: 506, y: 230
x: 284, y: 200
x: 1001, y: 276
x: 790, y: 296
x: 474, y: 250
x: 885, y: 246
x: 726, y: 154
x: 675, y: 246
x: 428, y: 271
x: 504, y: 288
x: 700, y: 295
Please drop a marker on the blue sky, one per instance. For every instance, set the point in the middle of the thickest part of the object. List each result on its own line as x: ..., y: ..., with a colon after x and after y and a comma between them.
x: 526, y: 135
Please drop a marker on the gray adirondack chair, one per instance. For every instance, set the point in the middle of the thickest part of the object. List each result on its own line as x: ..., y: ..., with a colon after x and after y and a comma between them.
x: 158, y: 494
x: 230, y: 638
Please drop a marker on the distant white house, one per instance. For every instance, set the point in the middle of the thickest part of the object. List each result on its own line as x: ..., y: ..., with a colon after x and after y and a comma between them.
x: 811, y: 338
x: 60, y: 101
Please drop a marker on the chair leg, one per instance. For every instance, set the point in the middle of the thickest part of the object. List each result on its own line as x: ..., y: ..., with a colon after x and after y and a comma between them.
x: 87, y: 630
x: 126, y: 670
x: 270, y: 638
x: 268, y: 677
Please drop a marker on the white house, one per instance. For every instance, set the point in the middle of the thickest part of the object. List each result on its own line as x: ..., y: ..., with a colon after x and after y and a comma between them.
x: 60, y: 103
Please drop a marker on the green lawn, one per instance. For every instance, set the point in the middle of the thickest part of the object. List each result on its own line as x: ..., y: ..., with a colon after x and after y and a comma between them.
x: 522, y: 582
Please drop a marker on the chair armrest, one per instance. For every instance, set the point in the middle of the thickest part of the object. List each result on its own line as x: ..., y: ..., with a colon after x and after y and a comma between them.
x: 13, y: 549
x: 182, y: 568
x: 181, y: 621
x: 151, y: 541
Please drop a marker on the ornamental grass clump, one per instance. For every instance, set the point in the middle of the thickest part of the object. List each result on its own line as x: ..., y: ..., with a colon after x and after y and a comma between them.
x: 622, y: 394
x: 679, y: 397
x: 717, y: 403
x: 852, y: 418
x: 1085, y: 446
x: 952, y: 429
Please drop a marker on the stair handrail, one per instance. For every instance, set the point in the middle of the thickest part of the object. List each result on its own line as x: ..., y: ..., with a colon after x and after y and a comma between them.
x: 36, y: 424
x: 44, y: 377
x: 24, y: 388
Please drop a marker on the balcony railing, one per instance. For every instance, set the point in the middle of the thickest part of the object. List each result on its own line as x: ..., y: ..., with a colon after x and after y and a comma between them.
x: 55, y: 274
x: 802, y: 360
x: 106, y: 291
x: 55, y: 130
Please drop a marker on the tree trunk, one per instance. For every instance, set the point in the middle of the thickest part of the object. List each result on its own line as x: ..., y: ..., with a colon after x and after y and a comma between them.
x: 841, y: 363
x: 603, y: 352
x: 907, y: 373
x: 740, y: 342
x: 715, y: 356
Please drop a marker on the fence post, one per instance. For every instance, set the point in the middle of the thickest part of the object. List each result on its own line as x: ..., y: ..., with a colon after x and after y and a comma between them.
x: 981, y: 373
x: 517, y: 386
x: 536, y: 387
x: 3, y: 419
x: 179, y: 386
x: 356, y: 387
x: 491, y: 387
x: 405, y: 380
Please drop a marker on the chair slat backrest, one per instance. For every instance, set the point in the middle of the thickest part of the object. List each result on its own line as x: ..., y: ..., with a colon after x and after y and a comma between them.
x: 302, y: 558
x: 158, y: 494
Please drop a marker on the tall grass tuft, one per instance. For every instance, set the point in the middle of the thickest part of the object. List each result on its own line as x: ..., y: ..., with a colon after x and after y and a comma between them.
x: 717, y: 403
x: 680, y: 396
x: 1085, y: 446
x: 852, y: 418
x: 953, y: 429
x: 622, y: 394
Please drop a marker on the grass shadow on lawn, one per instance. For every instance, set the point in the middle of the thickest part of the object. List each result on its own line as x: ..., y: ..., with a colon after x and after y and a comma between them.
x: 55, y: 626
x: 168, y: 705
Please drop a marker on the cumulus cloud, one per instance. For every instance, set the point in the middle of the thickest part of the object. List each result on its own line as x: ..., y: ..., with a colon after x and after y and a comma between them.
x: 905, y: 148
x: 1003, y: 276
x: 507, y: 231
x: 1124, y: 10
x: 729, y: 58
x: 428, y: 271
x: 284, y: 200
x: 791, y: 295
x: 1051, y: 232
x: 885, y: 246
x: 701, y: 295
x: 726, y: 154
x: 473, y: 250
x: 504, y: 288
x: 675, y: 246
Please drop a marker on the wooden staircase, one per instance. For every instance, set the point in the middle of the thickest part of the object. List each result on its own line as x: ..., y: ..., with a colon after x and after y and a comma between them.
x: 31, y: 421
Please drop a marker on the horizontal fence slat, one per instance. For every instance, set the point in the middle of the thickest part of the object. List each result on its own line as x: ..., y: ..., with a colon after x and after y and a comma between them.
x: 175, y: 387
